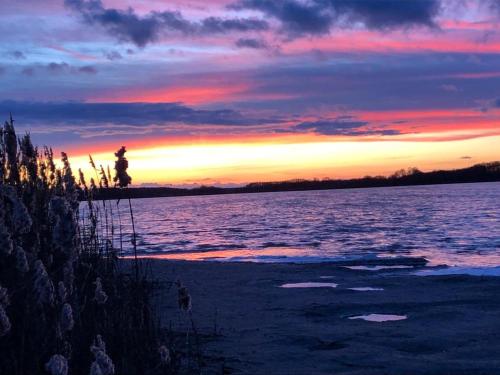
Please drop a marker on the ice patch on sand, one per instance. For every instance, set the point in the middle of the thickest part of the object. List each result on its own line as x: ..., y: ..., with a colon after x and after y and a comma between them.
x: 472, y: 271
x: 309, y: 285
x: 375, y: 268
x: 380, y: 317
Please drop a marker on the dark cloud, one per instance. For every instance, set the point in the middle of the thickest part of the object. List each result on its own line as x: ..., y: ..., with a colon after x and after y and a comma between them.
x: 18, y: 55
x: 57, y: 67
x: 494, y: 5
x: 113, y: 55
x: 319, y: 16
x: 487, y: 105
x: 466, y: 157
x: 213, y: 25
x: 90, y: 120
x: 251, y: 43
x: 28, y: 72
x: 403, y: 81
x: 126, y: 25
x: 63, y: 67
x: 343, y: 125
x: 122, y: 113
x: 338, y: 126
x: 383, y: 14
x: 87, y: 69
x: 296, y: 17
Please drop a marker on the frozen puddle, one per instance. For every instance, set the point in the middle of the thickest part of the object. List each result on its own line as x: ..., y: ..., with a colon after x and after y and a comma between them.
x: 375, y: 268
x: 365, y: 289
x: 309, y: 285
x: 379, y: 317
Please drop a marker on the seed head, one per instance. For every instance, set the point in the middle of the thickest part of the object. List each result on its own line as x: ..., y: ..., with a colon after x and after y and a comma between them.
x: 6, y: 245
x: 67, y: 322
x: 44, y: 288
x: 92, y: 164
x: 5, y: 325
x: 82, y: 179
x: 21, y: 219
x: 102, y: 365
x: 100, y: 295
x: 57, y: 365
x: 64, y: 226
x: 121, y: 179
x: 69, y: 276
x: 61, y: 291
x: 21, y: 260
x: 164, y: 355
x: 4, y: 296
x: 95, y: 369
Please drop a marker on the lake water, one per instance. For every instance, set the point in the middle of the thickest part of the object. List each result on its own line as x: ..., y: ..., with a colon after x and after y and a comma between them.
x: 447, y: 224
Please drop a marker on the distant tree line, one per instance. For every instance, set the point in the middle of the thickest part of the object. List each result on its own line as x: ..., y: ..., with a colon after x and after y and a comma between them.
x: 485, y: 172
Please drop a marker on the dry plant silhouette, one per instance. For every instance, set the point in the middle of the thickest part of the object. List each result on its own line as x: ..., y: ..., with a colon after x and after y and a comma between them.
x: 68, y: 303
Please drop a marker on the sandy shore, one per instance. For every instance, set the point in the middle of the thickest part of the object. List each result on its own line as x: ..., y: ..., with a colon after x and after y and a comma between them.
x: 452, y: 323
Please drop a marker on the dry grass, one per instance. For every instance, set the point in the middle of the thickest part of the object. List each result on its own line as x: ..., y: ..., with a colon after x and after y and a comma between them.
x: 68, y: 305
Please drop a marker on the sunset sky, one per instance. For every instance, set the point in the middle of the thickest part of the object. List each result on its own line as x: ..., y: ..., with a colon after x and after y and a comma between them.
x: 234, y: 91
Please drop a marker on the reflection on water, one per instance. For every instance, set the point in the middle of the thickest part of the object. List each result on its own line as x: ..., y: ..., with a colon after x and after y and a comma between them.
x: 267, y: 255
x: 448, y: 224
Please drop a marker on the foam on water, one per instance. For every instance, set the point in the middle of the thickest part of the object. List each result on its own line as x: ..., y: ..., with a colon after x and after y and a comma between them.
x: 366, y: 289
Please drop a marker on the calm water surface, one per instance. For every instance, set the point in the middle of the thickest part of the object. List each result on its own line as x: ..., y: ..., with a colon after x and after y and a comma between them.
x: 448, y: 224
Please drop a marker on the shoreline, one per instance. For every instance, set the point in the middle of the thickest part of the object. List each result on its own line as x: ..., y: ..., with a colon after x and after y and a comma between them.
x: 251, y: 325
x: 285, y: 255
x: 197, y: 194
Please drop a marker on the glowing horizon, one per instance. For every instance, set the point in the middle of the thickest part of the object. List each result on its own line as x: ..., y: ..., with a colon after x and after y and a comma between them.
x: 240, y: 163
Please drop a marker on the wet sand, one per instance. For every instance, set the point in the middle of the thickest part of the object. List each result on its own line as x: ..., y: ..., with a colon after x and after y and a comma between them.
x: 452, y: 323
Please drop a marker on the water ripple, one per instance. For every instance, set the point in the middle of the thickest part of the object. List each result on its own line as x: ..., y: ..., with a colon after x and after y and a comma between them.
x: 448, y: 224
